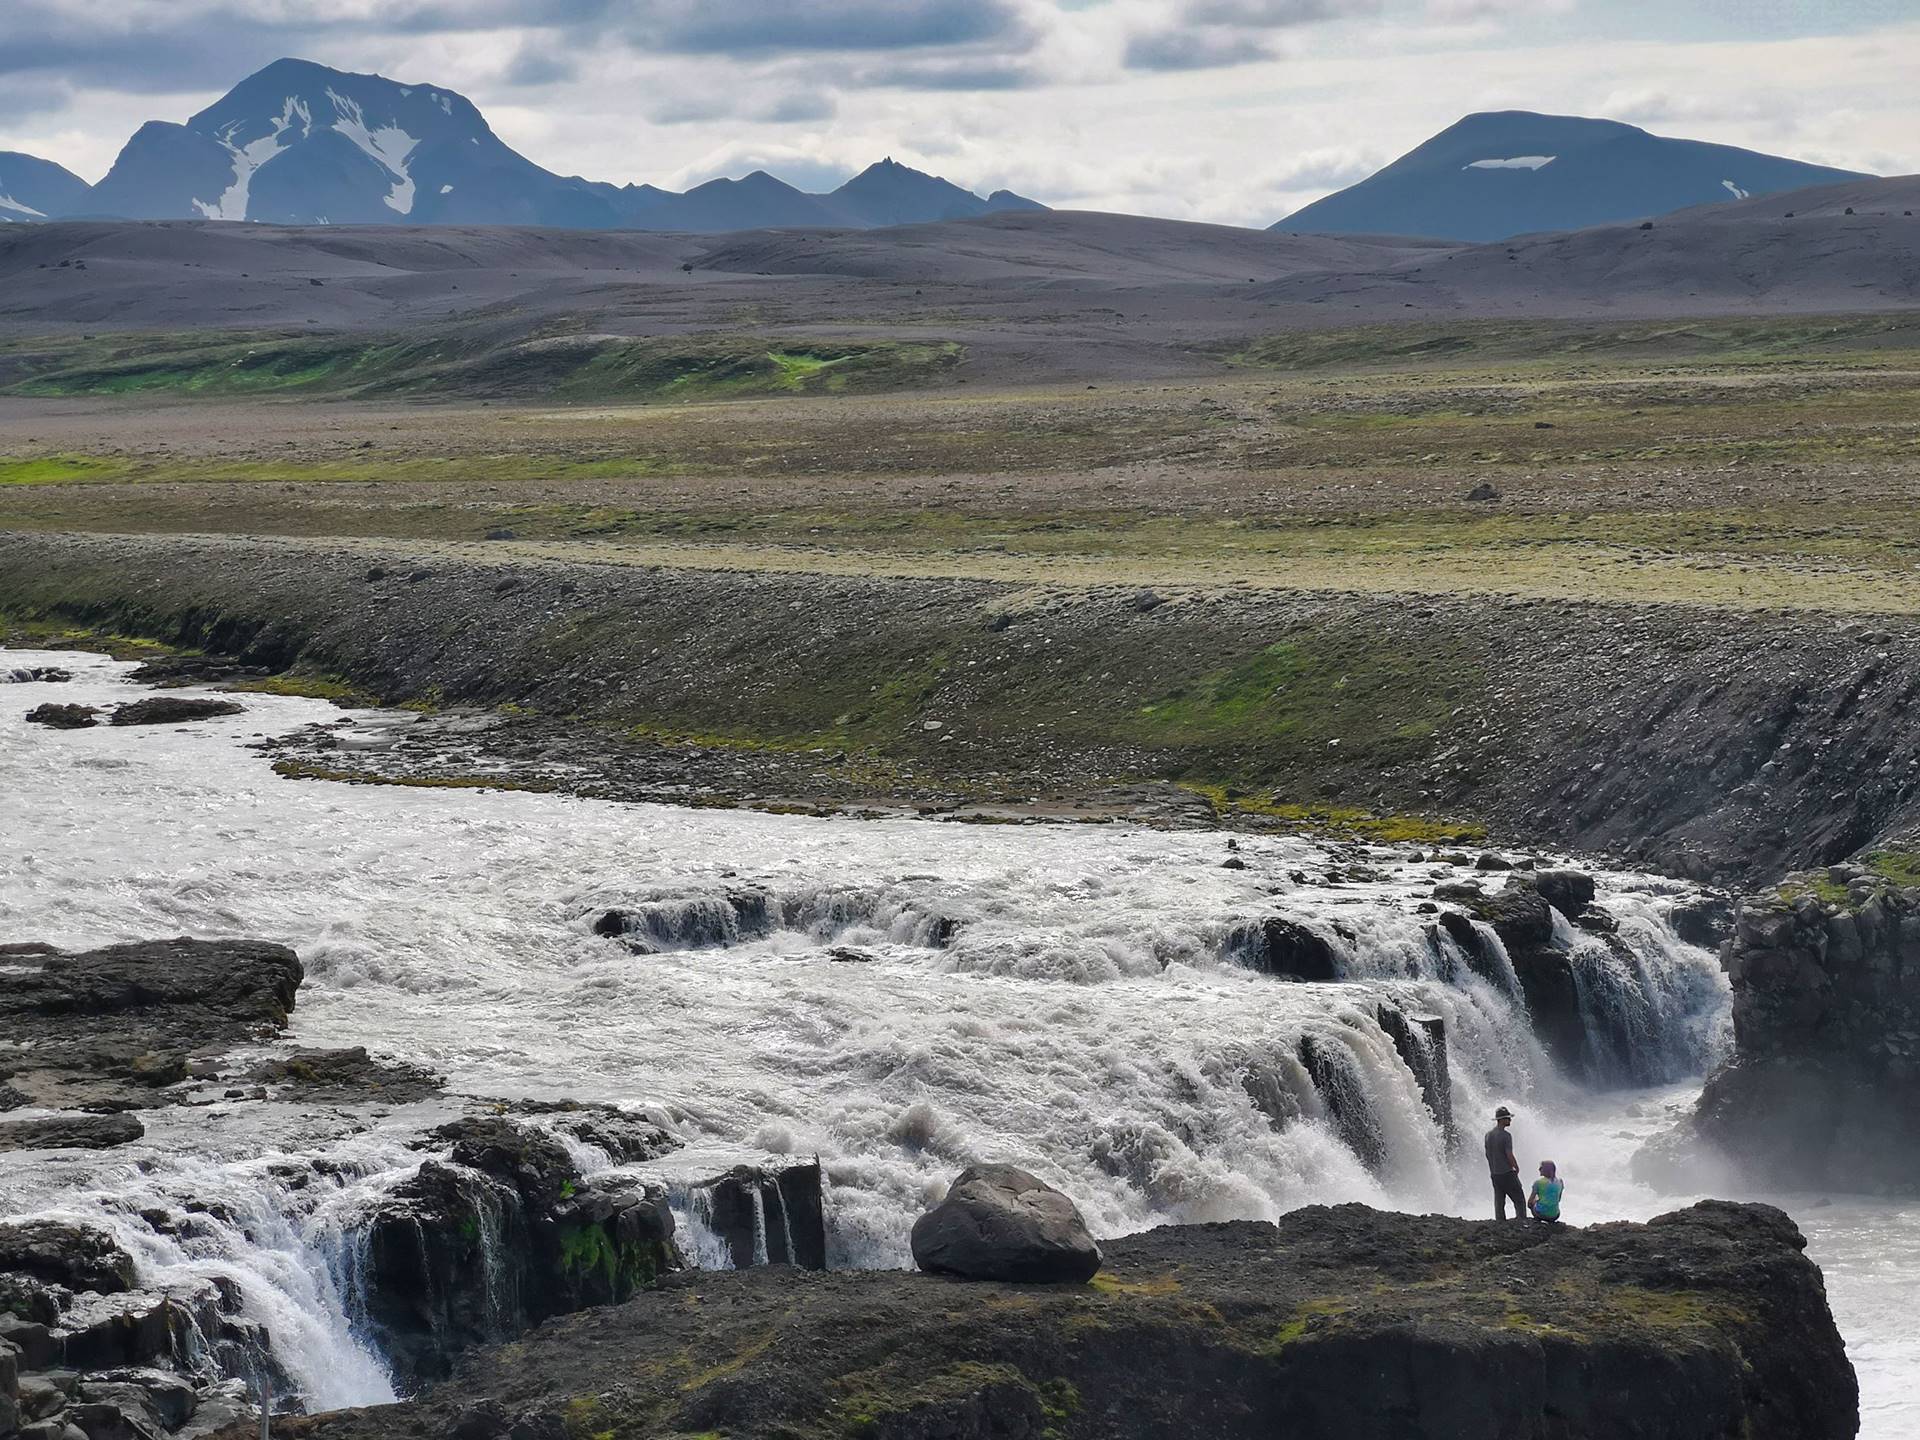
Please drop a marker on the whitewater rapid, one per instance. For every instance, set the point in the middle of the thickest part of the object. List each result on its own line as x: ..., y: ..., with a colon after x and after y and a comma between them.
x: 1065, y: 997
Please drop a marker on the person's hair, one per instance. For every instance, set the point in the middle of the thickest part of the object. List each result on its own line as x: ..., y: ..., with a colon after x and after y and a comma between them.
x: 1546, y: 1168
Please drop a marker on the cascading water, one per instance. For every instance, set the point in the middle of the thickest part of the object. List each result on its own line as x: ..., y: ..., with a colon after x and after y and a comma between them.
x: 900, y: 998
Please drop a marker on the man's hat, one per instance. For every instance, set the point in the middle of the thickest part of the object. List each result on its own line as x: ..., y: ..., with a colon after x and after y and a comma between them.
x: 1503, y: 1113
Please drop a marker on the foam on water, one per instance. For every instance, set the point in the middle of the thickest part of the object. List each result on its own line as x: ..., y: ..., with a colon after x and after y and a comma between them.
x: 1067, y: 998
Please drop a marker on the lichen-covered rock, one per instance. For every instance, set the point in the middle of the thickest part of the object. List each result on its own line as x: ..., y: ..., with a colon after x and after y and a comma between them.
x: 502, y: 1234
x: 1706, y: 1323
x: 999, y: 1222
x: 1826, y: 1023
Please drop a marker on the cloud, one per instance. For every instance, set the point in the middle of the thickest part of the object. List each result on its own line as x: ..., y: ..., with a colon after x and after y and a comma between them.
x: 935, y: 74
x: 749, y: 27
x: 1194, y: 49
x: 1276, y: 14
x: 797, y: 107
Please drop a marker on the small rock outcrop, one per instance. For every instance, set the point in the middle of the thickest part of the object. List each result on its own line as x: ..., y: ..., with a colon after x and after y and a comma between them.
x: 1343, y: 1321
x: 63, y: 717
x: 1826, y: 1026
x: 998, y: 1222
x: 767, y: 1214
x: 84, y: 1351
x: 68, y: 1131
x: 501, y: 1234
x: 173, y: 710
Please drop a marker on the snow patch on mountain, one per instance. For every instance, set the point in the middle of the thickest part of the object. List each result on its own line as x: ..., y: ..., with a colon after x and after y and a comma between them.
x: 388, y: 147
x: 1734, y: 190
x: 8, y: 203
x: 1512, y: 162
x: 248, y: 158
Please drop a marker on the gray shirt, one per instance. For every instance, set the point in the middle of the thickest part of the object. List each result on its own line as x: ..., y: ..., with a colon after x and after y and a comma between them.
x: 1500, y: 1151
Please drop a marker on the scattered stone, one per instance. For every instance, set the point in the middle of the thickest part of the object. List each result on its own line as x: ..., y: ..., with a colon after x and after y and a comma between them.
x: 999, y: 1222
x: 1483, y: 491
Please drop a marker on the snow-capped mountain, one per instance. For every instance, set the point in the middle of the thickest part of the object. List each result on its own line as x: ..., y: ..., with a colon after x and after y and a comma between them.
x: 302, y: 144
x: 33, y: 189
x: 1512, y: 172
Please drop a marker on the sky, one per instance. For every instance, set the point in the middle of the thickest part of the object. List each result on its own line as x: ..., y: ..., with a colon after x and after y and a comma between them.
x: 1234, y: 111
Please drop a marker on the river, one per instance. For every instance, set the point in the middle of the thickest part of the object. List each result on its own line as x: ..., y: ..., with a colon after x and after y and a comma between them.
x: 1067, y: 997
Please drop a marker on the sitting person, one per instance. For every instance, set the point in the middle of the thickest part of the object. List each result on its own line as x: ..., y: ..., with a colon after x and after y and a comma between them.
x: 1543, y: 1201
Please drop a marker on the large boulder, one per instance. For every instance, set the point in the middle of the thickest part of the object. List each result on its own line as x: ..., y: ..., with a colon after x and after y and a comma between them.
x: 998, y: 1222
x: 1568, y: 891
x: 1287, y: 948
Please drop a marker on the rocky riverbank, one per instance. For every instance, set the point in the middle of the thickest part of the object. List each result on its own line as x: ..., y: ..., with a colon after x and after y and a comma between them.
x: 1818, y: 1092
x: 500, y: 1226
x: 1645, y: 732
x: 1346, y: 1321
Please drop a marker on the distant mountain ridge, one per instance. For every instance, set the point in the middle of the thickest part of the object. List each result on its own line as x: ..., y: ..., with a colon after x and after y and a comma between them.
x: 1498, y: 174
x: 298, y: 143
x: 36, y: 189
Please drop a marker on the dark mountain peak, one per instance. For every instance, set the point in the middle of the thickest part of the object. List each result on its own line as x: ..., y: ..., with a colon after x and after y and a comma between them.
x: 300, y: 143
x: 1499, y: 173
x: 32, y: 188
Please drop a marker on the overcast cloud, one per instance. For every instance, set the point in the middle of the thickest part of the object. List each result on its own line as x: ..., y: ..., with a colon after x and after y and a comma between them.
x: 1227, y: 110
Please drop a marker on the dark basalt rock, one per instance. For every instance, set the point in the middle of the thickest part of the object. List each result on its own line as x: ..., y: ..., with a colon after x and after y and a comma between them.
x: 503, y: 1234
x: 1286, y: 948
x: 334, y: 1077
x: 172, y: 710
x: 70, y: 1132
x: 1421, y: 1043
x: 108, y: 1028
x: 626, y: 1139
x: 63, y: 717
x: 1705, y: 920
x: 999, y: 1222
x: 1568, y: 891
x: 1521, y: 916
x: 35, y: 674
x: 1826, y: 1026
x: 1337, y: 1080
x: 170, y: 670
x: 1342, y: 1321
x: 771, y: 1215
x: 77, y: 1257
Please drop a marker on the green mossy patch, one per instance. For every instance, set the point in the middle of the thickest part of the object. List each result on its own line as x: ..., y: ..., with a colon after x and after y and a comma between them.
x: 471, y: 360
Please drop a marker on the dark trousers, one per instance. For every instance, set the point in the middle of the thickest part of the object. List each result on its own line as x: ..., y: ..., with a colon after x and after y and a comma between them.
x: 1507, y: 1187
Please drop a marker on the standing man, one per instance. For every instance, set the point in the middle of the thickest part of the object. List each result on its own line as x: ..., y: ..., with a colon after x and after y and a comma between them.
x: 1504, y: 1168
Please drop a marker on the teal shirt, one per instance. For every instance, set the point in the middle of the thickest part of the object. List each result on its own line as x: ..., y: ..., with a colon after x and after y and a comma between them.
x: 1546, y: 1198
